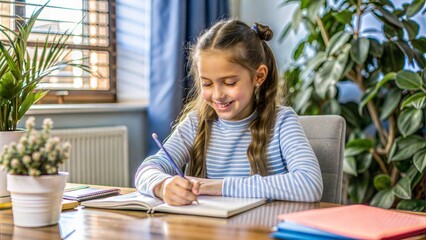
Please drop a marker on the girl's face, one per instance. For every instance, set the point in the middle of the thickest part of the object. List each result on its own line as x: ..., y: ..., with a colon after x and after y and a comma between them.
x: 228, y: 87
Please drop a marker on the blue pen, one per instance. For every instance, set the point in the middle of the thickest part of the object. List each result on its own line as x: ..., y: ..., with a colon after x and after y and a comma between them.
x: 169, y: 158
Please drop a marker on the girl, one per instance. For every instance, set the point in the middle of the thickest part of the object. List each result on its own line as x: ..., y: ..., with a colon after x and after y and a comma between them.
x: 233, y: 136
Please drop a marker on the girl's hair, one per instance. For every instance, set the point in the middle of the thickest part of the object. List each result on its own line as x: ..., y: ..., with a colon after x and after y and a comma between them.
x: 245, y: 46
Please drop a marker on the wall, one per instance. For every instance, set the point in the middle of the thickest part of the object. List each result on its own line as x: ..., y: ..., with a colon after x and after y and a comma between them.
x: 133, y: 116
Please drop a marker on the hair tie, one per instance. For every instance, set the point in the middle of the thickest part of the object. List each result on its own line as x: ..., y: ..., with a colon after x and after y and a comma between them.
x: 256, y: 30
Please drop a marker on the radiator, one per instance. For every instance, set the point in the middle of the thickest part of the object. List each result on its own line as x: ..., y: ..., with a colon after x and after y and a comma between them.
x: 98, y: 155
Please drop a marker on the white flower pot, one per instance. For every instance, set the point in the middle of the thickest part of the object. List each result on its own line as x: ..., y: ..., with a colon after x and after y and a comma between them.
x: 36, y: 201
x: 5, y: 139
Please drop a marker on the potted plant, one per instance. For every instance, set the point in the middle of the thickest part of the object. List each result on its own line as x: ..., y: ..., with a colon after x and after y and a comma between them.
x: 34, y: 180
x: 385, y: 156
x: 21, y: 72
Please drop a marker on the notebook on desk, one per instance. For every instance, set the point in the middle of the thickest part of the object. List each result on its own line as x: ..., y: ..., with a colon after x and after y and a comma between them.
x: 211, y: 206
x: 350, y: 222
x: 90, y: 193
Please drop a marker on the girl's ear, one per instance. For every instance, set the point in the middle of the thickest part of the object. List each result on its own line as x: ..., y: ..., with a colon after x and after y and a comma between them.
x: 261, y: 74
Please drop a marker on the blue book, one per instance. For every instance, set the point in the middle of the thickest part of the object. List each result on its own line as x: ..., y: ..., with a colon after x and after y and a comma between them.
x: 291, y: 230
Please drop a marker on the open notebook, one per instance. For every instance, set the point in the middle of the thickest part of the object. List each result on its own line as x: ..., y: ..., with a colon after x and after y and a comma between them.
x: 212, y: 206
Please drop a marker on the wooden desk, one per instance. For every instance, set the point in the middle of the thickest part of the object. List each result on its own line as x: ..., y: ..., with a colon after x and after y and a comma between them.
x: 91, y: 223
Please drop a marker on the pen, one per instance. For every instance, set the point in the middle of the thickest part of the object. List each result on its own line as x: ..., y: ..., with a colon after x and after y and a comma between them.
x: 169, y: 158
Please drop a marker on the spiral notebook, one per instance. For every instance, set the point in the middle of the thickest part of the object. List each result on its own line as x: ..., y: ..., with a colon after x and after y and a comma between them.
x: 90, y: 193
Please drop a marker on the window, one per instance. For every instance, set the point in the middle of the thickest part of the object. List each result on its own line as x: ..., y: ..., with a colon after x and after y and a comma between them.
x: 92, y: 42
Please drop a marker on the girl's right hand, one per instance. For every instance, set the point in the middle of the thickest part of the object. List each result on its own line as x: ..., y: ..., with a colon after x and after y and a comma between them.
x: 178, y: 191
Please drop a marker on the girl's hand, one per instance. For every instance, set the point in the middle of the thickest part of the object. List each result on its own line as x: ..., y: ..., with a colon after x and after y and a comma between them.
x: 209, y: 186
x: 178, y: 191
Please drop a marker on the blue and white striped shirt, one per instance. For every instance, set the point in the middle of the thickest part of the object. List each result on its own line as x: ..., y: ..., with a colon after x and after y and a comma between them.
x: 294, y: 172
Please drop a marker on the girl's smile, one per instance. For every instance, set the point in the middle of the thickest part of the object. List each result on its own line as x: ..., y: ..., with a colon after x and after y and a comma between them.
x: 227, y: 87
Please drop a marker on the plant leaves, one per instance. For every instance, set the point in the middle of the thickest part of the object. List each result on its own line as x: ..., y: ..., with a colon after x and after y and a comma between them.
x: 313, y: 8
x: 349, y: 166
x: 411, y: 205
x: 330, y: 73
x: 383, y: 199
x: 363, y: 161
x: 390, y: 18
x: 382, y: 181
x: 344, y: 17
x: 313, y: 64
x: 419, y: 43
x: 376, y: 49
x: 302, y: 98
x: 409, y: 120
x: 419, y: 160
x: 284, y: 33
x: 359, y: 49
x: 297, y: 16
x: 417, y: 101
x: 402, y: 189
x: 415, y: 7
x: 299, y: 50
x: 337, y: 41
x: 409, y: 80
x: 391, y: 102
x: 358, y: 187
x: 412, y: 28
x: 407, y: 147
x: 357, y: 146
x: 393, y: 59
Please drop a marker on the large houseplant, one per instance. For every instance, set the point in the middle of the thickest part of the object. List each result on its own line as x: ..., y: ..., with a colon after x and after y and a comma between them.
x: 385, y: 156
x: 21, y: 71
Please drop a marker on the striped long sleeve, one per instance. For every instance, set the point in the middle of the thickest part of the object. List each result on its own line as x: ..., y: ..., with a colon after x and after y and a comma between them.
x: 294, y: 172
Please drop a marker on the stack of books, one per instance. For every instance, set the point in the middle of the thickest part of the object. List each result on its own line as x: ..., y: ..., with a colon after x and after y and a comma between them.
x: 350, y: 222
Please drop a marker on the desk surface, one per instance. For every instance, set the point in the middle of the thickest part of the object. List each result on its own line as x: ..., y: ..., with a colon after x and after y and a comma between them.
x: 91, y: 223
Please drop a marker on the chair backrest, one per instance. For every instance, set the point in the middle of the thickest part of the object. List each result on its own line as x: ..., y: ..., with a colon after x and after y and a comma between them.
x: 326, y: 133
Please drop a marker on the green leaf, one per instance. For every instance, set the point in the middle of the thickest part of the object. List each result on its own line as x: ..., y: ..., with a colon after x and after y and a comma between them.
x: 406, y: 147
x: 391, y: 102
x: 412, y: 28
x: 367, y: 97
x: 358, y: 187
x: 411, y: 205
x: 419, y: 43
x: 382, y: 181
x: 419, y: 160
x: 419, y: 58
x: 297, y: 16
x: 383, y: 199
x: 417, y: 101
x: 337, y: 41
x: 357, y: 146
x: 359, y: 49
x: 415, y: 7
x: 408, y: 80
x: 313, y: 64
x: 393, y: 59
x: 331, y: 106
x: 409, y: 121
x: 389, y: 17
x: 284, y: 33
x: 299, y: 51
x: 330, y: 73
x: 349, y: 166
x: 406, y: 49
x: 402, y: 189
x: 313, y: 8
x: 363, y: 162
x: 344, y: 17
x: 376, y: 49
x: 302, y: 99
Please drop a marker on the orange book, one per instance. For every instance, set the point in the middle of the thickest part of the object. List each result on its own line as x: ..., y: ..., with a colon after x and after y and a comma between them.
x: 360, y: 222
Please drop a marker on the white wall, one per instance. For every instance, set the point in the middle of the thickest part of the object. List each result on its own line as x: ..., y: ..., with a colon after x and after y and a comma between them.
x: 268, y: 13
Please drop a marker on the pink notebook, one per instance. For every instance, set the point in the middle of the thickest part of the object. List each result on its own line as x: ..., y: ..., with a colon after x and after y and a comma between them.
x: 361, y: 222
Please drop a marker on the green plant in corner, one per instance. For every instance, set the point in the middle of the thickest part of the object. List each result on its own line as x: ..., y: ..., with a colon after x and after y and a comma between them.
x: 21, y: 72
x: 385, y: 156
